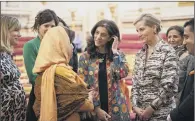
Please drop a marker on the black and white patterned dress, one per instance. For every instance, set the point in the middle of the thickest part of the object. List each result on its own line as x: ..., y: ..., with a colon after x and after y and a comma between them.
x: 12, y: 93
x: 155, y: 81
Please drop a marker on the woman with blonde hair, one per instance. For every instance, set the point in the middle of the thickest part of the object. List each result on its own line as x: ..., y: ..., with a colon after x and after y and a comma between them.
x: 12, y: 92
x: 59, y: 92
x: 155, y: 77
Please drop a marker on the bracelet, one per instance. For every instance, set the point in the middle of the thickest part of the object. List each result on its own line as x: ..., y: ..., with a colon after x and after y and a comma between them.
x: 153, y: 107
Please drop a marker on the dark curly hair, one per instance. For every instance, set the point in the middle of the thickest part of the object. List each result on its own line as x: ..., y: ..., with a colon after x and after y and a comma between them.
x: 45, y: 16
x: 112, y: 29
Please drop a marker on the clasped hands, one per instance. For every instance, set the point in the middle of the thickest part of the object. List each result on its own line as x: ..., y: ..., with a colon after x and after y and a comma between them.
x: 144, y: 114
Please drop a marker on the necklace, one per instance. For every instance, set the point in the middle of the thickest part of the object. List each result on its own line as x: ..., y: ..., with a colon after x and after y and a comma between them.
x: 101, y: 57
x: 101, y: 60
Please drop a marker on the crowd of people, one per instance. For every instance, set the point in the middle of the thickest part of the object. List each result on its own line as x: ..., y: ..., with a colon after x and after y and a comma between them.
x: 88, y: 88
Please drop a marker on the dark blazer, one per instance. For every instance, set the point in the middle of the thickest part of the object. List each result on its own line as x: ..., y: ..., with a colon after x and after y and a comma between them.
x: 185, y: 109
x: 186, y: 65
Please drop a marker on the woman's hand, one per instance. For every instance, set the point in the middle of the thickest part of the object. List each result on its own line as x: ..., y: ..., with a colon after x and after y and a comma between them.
x: 147, y: 113
x: 102, y: 115
x: 115, y: 45
x: 169, y: 118
x: 138, y: 111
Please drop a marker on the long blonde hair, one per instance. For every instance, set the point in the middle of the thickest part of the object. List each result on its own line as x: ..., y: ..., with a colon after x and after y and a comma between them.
x: 8, y: 24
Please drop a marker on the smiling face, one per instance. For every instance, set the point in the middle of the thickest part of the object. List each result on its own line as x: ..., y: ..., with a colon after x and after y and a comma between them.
x: 101, y: 36
x: 43, y: 28
x: 174, y: 38
x: 189, y: 39
x: 14, y: 36
x: 145, y: 33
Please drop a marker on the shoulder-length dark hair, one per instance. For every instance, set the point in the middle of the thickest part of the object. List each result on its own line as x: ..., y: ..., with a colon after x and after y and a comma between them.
x: 112, y: 29
x: 45, y: 16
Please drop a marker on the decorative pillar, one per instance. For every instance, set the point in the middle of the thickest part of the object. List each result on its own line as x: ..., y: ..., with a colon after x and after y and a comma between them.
x: 72, y: 12
x: 112, y: 8
x: 43, y: 3
x: 101, y: 14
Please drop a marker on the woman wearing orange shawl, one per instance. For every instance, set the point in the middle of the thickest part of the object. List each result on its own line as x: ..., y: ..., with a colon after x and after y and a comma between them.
x: 60, y: 93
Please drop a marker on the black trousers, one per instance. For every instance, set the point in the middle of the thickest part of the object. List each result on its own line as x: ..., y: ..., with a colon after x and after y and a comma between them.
x: 30, y: 115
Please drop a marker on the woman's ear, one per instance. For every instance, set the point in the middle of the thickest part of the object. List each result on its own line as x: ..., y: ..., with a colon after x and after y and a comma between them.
x: 155, y: 29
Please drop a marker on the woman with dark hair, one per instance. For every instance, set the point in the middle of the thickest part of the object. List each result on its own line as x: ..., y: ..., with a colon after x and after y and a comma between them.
x: 175, y: 37
x: 74, y: 60
x: 44, y: 20
x: 185, y: 109
x: 102, y: 68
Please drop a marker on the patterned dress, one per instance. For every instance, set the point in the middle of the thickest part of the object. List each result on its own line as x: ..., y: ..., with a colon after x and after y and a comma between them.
x: 89, y: 70
x: 12, y: 93
x: 155, y: 81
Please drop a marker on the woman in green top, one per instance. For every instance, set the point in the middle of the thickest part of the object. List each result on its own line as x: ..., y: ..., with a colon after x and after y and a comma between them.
x: 44, y: 20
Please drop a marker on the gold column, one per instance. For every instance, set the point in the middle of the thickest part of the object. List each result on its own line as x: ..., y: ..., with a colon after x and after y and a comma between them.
x: 43, y: 2
x: 112, y: 8
x: 72, y: 12
x: 100, y: 14
x: 184, y: 4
